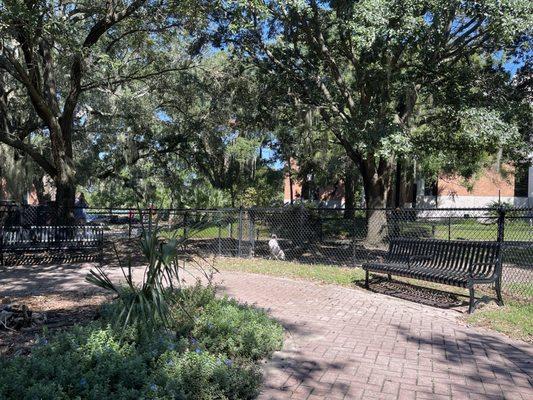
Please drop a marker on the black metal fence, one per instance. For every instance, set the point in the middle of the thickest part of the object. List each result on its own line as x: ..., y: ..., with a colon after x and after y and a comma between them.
x: 314, y: 235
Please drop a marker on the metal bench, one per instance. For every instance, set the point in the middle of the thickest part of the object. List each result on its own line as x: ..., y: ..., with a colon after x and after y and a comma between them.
x: 21, y: 239
x: 450, y: 262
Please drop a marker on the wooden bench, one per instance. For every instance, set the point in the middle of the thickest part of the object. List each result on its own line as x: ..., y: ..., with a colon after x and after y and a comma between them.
x: 21, y: 240
x: 450, y: 262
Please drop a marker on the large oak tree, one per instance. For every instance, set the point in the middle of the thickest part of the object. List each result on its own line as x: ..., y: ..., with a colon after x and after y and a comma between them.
x: 58, y: 54
x: 384, y: 73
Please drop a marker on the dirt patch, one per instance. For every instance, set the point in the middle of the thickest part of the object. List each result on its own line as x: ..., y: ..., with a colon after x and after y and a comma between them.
x: 61, y: 311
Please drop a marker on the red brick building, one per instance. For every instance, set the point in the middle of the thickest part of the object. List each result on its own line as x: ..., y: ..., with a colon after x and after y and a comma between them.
x: 446, y: 191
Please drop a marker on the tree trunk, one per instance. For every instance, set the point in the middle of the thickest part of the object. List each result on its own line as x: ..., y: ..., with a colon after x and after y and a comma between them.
x: 349, y: 191
x: 290, y: 182
x: 61, y: 141
x: 398, y: 185
x: 38, y: 184
x: 65, y: 195
x: 377, y: 184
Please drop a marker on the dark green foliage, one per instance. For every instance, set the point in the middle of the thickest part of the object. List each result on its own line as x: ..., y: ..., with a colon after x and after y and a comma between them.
x: 497, y: 207
x: 189, y: 302
x: 200, y: 375
x: 237, y: 330
x: 88, y: 362
x: 100, y: 362
x: 282, y: 222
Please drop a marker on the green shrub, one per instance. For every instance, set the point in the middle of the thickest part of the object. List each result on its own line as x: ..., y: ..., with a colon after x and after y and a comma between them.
x: 187, y: 304
x: 208, y: 352
x: 146, y: 305
x: 92, y: 363
x: 237, y: 330
x: 88, y: 362
x: 200, y: 375
x: 223, y: 326
x: 497, y: 205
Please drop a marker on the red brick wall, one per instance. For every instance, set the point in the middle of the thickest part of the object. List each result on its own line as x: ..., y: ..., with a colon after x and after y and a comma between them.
x: 489, y: 183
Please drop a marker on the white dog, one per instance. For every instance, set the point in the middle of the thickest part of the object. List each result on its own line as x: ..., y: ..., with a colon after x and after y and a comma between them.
x: 275, y: 250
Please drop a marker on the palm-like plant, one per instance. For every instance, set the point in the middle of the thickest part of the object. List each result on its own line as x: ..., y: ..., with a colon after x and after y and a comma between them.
x: 147, y: 304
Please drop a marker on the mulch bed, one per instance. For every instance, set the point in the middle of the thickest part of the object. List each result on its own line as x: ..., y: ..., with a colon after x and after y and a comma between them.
x: 56, y: 312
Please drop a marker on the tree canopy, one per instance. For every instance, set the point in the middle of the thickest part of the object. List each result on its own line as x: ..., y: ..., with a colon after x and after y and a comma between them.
x: 169, y: 99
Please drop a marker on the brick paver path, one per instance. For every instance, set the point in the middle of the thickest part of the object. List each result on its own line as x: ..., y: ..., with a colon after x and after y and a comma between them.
x: 353, y: 344
x: 349, y: 344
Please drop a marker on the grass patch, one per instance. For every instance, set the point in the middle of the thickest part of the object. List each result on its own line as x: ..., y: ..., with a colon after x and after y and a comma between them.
x: 469, y: 229
x: 322, y: 273
x: 515, y: 319
x: 522, y: 290
x: 342, y: 276
x: 209, y: 232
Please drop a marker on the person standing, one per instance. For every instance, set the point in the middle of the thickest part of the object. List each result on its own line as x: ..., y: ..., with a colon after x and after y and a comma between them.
x: 79, y: 209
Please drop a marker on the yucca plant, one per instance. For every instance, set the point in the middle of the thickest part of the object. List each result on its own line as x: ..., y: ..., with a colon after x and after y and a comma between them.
x: 147, y: 304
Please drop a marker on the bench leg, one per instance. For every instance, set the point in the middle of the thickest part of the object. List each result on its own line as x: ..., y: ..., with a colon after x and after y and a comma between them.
x: 366, y: 280
x: 498, y: 288
x: 389, y: 277
x: 101, y: 256
x: 472, y: 300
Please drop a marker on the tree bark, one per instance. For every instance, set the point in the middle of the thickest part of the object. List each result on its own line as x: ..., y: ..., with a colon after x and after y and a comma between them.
x: 65, y: 177
x: 39, y: 189
x: 377, y: 181
x: 65, y: 195
x: 349, y: 190
x: 398, y: 185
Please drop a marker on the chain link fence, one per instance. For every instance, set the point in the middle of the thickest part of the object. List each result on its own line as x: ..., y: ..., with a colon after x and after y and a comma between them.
x: 305, y: 235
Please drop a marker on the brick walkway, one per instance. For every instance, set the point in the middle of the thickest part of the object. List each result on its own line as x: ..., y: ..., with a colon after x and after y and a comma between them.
x: 349, y: 344
x: 352, y: 344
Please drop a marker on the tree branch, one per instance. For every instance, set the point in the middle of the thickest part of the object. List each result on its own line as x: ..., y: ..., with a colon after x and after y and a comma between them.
x: 92, y: 37
x: 93, y: 85
x: 30, y: 150
x: 10, y: 64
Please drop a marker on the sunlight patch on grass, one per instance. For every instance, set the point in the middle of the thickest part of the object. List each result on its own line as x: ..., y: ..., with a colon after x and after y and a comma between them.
x: 515, y: 319
x: 314, y: 272
x: 524, y: 290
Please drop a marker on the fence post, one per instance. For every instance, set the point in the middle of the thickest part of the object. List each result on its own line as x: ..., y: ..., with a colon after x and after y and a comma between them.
x: 129, y: 223
x: 449, y: 227
x: 353, y: 226
x: 219, y: 233
x: 501, y: 224
x: 185, y: 222
x: 251, y: 236
x: 240, y: 233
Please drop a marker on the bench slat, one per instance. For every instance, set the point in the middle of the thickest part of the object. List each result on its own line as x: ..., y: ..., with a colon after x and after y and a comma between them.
x: 451, y: 262
x: 38, y: 238
x: 446, y: 258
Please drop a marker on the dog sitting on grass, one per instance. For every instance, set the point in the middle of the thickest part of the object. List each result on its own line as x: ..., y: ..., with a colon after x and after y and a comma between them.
x: 275, y: 250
